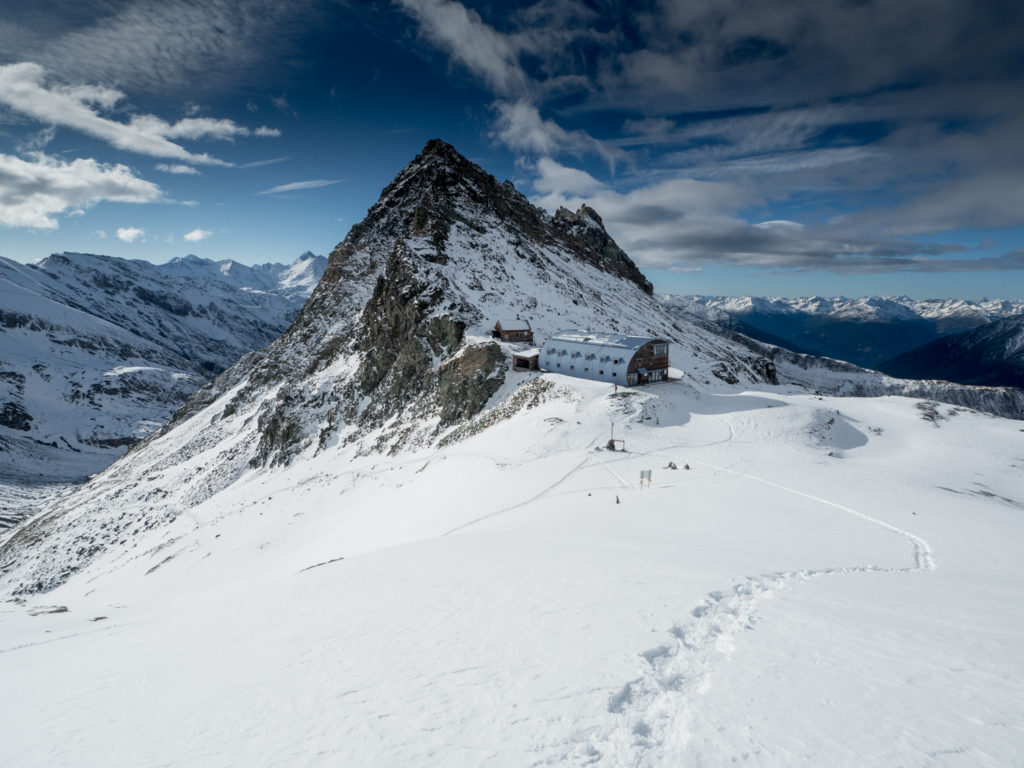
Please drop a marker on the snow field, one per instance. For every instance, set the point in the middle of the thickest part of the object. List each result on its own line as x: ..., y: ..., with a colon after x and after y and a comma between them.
x: 774, y: 605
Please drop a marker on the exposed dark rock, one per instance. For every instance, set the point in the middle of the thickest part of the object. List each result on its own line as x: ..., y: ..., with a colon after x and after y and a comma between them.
x: 14, y: 416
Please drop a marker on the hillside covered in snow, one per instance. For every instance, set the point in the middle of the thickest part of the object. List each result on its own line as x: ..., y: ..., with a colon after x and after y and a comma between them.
x: 372, y: 543
x: 866, y: 331
x: 96, y: 352
x: 989, y: 354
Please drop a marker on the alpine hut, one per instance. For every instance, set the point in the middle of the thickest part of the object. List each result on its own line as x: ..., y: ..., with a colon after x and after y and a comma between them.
x: 626, y: 360
x: 514, y: 330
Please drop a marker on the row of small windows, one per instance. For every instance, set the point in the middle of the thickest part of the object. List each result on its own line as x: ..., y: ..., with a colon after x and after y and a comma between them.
x: 585, y: 370
x: 604, y: 358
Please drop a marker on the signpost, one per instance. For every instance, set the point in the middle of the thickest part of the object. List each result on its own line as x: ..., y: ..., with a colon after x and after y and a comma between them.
x: 645, y: 474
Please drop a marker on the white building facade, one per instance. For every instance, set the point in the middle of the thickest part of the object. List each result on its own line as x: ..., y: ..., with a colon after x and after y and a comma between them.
x: 617, y: 359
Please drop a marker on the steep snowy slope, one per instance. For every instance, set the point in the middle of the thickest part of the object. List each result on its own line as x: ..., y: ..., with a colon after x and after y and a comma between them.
x: 987, y: 355
x: 289, y: 280
x: 97, y: 352
x: 393, y: 352
x: 865, y: 331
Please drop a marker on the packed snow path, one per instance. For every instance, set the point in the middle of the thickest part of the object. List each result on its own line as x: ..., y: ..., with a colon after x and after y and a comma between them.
x: 653, y: 725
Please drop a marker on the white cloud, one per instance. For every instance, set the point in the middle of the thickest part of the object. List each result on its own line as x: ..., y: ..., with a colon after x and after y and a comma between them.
x: 295, y: 185
x: 260, y: 163
x: 484, y: 51
x: 519, y: 126
x: 197, y: 128
x: 101, y: 233
x: 33, y: 190
x: 129, y: 234
x: 555, y: 178
x: 37, y: 141
x: 177, y: 168
x: 23, y: 88
x: 197, y: 234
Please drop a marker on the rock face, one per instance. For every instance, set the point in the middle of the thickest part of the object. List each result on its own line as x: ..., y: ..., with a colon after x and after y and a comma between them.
x: 393, y: 353
x: 406, y: 302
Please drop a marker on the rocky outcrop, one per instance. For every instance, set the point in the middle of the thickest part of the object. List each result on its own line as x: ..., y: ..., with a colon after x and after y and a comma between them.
x: 586, y: 229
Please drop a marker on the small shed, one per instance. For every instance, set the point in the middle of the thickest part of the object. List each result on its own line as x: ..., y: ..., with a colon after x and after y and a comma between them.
x: 611, y: 357
x: 514, y: 330
x: 526, y: 361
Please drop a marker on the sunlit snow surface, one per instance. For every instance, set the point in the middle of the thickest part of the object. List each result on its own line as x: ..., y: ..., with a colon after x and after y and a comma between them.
x: 832, y: 582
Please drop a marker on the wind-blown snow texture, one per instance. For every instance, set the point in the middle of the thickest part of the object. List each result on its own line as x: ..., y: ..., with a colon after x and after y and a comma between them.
x: 373, y: 544
x: 97, y: 352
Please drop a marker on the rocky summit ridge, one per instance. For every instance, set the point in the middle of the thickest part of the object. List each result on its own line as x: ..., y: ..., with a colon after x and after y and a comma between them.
x: 393, y: 353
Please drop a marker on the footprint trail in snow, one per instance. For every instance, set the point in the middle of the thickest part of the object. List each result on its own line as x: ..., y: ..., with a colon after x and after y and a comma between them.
x: 652, y: 712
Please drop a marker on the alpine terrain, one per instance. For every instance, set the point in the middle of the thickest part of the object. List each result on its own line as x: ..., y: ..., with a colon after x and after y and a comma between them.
x: 867, y: 331
x: 374, y: 543
x: 989, y: 354
x: 97, y: 352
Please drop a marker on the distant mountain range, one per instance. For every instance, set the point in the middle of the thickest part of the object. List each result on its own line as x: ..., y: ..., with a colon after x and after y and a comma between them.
x: 96, y: 351
x: 991, y: 354
x: 878, y: 332
x: 392, y: 355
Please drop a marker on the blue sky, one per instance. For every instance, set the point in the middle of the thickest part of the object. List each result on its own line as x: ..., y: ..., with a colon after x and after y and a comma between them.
x: 775, y: 148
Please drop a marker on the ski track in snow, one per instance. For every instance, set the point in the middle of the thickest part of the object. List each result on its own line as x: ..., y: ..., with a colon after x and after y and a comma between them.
x: 653, y: 711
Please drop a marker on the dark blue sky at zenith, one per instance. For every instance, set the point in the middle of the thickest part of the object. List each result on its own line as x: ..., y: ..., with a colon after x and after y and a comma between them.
x: 770, y: 148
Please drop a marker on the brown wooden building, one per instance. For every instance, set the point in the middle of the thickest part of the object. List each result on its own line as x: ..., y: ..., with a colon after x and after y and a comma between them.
x: 514, y: 330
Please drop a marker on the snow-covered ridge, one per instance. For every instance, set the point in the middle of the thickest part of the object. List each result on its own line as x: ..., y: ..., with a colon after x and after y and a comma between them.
x: 96, y: 352
x: 869, y: 331
x: 865, y: 308
x: 392, y: 354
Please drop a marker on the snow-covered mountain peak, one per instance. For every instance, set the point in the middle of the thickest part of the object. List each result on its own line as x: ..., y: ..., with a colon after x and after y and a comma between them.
x: 99, y: 351
x: 392, y: 355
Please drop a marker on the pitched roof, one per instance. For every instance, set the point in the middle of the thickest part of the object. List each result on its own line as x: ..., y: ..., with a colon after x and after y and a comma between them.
x: 514, y: 325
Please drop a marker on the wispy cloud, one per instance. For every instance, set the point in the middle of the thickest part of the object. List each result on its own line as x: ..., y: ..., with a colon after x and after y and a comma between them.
x: 297, y: 185
x: 818, y: 108
x: 494, y: 57
x: 260, y: 163
x: 197, y: 234
x: 469, y: 40
x: 160, y: 45
x: 186, y: 170
x: 520, y: 127
x: 34, y: 190
x: 22, y: 88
